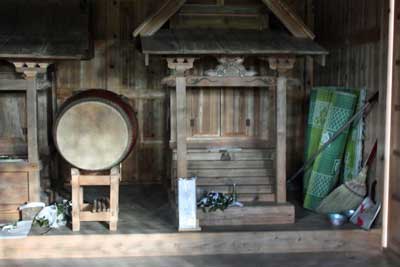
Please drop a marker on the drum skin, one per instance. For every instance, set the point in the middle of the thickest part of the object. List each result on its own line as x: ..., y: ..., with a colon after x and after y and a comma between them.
x: 95, y: 130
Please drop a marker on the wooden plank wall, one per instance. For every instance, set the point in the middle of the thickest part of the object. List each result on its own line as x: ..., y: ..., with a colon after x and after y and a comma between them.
x: 355, y: 33
x: 118, y: 66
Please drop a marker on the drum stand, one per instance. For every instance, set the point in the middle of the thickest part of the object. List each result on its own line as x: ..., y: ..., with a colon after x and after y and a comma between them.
x: 84, y: 212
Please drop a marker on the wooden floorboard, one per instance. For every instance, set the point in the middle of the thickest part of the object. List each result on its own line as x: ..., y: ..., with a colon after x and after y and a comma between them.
x: 179, y: 244
x: 145, y: 209
x: 366, y: 259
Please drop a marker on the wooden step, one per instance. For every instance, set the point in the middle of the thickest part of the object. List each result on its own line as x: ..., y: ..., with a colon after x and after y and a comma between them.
x: 248, y: 215
x: 187, y: 244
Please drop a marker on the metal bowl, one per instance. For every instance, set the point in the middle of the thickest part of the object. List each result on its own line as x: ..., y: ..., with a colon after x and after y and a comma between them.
x: 349, y: 213
x: 337, y: 219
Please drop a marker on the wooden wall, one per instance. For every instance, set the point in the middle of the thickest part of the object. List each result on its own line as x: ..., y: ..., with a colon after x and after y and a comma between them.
x: 355, y: 33
x: 119, y: 66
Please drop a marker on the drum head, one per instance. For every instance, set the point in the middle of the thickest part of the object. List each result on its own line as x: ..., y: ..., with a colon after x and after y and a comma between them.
x: 93, y: 135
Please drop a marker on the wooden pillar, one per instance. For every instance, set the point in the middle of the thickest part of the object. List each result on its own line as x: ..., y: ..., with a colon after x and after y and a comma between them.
x: 282, y: 65
x: 180, y: 65
x: 30, y: 71
x: 186, y: 212
x: 281, y: 116
x: 33, y: 149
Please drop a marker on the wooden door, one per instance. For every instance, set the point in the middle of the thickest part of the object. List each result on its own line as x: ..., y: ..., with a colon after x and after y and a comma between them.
x: 203, y: 107
x: 247, y: 112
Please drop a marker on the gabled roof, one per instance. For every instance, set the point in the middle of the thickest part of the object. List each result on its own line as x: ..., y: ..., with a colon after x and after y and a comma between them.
x: 227, y: 42
x: 279, y: 8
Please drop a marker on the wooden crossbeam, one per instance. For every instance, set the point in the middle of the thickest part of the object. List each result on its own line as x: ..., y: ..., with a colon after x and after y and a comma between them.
x: 152, y: 24
x: 289, y: 18
x: 208, y: 81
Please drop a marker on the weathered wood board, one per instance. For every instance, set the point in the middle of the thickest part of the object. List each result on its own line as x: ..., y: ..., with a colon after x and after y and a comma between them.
x: 252, y: 170
x: 175, y: 244
x: 118, y: 66
x: 251, y: 215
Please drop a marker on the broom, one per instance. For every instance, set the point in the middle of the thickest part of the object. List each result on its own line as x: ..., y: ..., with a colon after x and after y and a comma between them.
x: 349, y: 195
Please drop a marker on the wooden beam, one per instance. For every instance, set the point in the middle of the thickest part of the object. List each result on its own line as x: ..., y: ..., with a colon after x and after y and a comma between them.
x: 207, y: 81
x: 13, y: 85
x: 18, y: 166
x: 94, y: 180
x: 289, y: 18
x: 189, y: 244
x: 152, y: 24
x: 202, y: 10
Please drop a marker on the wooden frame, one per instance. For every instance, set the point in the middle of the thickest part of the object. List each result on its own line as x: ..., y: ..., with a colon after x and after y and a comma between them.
x: 82, y: 212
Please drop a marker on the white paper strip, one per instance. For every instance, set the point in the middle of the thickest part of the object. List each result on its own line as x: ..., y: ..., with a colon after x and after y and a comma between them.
x: 187, y: 204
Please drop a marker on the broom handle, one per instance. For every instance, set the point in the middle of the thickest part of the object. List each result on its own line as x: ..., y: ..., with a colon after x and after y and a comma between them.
x: 372, y: 99
x: 371, y: 154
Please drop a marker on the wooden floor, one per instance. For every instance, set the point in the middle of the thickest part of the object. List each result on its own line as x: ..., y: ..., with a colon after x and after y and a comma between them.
x: 147, y: 228
x: 270, y: 260
x: 145, y: 209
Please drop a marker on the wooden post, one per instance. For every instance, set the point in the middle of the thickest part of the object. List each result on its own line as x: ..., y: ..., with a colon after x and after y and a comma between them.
x: 30, y: 71
x: 114, y: 197
x: 180, y: 65
x: 282, y: 65
x: 81, y: 202
x: 181, y: 126
x: 76, y: 222
x: 33, y: 150
x: 281, y: 116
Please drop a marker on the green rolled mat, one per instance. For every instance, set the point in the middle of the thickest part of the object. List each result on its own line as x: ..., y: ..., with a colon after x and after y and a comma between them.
x: 326, y: 168
x: 320, y: 99
x: 353, y: 152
